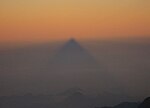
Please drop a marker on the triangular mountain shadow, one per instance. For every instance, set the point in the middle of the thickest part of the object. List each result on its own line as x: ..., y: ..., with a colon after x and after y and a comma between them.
x: 72, y: 54
x: 74, y: 66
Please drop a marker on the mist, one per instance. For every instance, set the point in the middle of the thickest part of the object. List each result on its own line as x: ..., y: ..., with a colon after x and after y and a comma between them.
x: 121, y: 67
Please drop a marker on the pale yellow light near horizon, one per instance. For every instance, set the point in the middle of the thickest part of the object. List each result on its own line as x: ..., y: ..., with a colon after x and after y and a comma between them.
x: 42, y: 20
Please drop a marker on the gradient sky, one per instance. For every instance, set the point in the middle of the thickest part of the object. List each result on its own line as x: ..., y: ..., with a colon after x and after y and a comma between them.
x: 45, y: 20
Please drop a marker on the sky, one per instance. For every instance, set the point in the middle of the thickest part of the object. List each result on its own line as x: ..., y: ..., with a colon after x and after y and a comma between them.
x: 48, y: 20
x: 31, y: 21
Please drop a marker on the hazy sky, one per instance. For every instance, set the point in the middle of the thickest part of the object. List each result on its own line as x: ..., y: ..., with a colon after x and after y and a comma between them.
x: 40, y: 20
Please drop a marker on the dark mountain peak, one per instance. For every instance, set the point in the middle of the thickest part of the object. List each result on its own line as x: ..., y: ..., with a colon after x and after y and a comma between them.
x: 72, y: 40
x: 72, y: 44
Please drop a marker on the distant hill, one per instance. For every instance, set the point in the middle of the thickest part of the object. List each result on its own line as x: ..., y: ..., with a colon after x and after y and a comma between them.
x: 127, y: 105
x: 71, y: 98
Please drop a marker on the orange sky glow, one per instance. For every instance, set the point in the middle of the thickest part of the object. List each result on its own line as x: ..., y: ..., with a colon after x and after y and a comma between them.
x: 47, y: 20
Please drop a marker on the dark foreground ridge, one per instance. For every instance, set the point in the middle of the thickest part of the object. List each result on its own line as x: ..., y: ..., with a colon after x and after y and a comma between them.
x: 145, y: 103
x: 75, y: 99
